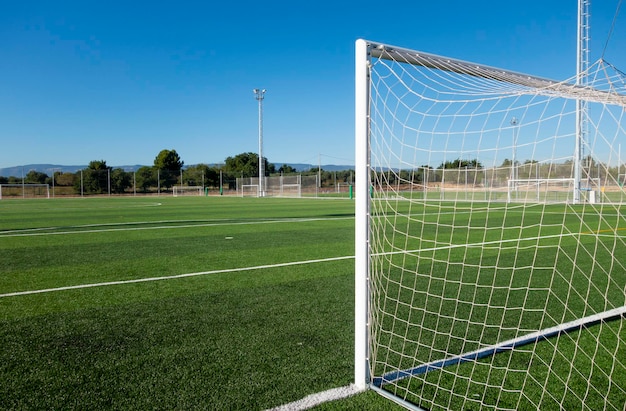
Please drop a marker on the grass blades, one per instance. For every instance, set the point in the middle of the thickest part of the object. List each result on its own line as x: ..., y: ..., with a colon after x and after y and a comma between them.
x: 183, y: 346
x: 264, y: 314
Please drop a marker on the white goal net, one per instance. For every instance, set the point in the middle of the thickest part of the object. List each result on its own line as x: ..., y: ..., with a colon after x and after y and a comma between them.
x: 179, y: 191
x: 487, y: 276
x: 250, y: 190
x: 294, y: 185
x: 24, y: 191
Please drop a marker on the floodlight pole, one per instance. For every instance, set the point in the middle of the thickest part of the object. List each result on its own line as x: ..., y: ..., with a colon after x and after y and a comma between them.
x: 582, y: 64
x: 259, y: 94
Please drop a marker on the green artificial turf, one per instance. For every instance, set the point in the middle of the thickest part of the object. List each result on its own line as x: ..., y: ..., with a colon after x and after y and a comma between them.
x: 247, y: 303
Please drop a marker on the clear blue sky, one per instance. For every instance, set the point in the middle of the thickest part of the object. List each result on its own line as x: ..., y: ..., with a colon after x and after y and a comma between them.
x: 121, y: 80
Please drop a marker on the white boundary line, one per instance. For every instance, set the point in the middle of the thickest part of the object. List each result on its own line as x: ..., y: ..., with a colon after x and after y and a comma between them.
x: 318, y: 398
x: 494, y: 242
x: 22, y: 233
x: 172, y: 277
x: 261, y: 267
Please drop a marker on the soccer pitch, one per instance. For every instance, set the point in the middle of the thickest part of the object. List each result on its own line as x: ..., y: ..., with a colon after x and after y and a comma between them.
x: 185, y: 303
x: 175, y: 303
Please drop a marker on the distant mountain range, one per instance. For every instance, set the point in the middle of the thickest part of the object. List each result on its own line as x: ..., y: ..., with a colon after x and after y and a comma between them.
x: 49, y: 169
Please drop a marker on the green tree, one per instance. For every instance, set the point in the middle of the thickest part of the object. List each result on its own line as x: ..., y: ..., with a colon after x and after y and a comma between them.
x: 145, y: 177
x: 201, y: 175
x: 326, y: 177
x: 287, y: 169
x: 247, y: 165
x: 35, y: 177
x: 345, y: 176
x: 120, y: 181
x: 212, y: 177
x: 66, y: 179
x: 95, y: 178
x: 424, y: 174
x: 269, y: 167
x: 169, y: 164
x: 53, y: 180
x: 460, y: 163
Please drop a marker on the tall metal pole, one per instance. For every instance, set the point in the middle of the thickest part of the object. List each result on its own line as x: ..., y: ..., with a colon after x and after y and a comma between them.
x: 259, y: 94
x: 582, y: 64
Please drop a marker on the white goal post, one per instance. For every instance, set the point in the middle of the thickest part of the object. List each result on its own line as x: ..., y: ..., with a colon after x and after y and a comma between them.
x: 292, y: 185
x: 178, y: 191
x: 474, y: 300
x: 24, y: 191
x: 250, y: 190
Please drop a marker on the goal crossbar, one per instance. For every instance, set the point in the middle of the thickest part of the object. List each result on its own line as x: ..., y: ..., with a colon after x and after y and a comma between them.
x: 542, y: 85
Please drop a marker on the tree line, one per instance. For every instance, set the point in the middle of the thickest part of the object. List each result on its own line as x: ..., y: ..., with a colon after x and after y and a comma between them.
x: 470, y: 170
x: 167, y: 170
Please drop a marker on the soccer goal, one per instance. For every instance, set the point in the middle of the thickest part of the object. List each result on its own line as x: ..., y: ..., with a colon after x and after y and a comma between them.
x: 291, y: 190
x: 179, y: 191
x: 542, y: 189
x: 472, y: 301
x: 24, y: 191
x: 250, y: 190
x: 289, y: 186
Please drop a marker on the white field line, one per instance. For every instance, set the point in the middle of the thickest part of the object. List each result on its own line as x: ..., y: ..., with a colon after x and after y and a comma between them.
x: 292, y: 263
x: 494, y: 242
x: 507, y: 345
x: 175, y: 276
x: 22, y: 233
x: 316, y: 399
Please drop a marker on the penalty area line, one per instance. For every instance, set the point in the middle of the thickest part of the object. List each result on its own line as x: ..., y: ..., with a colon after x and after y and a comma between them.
x: 175, y: 276
x: 316, y: 399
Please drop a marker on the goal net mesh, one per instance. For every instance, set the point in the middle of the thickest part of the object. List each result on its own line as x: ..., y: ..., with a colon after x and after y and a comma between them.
x: 294, y: 185
x: 24, y: 191
x: 478, y: 301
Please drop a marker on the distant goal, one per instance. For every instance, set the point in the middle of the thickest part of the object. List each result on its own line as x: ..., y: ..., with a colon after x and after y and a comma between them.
x: 550, y: 190
x: 276, y: 186
x: 179, y: 191
x: 24, y: 191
